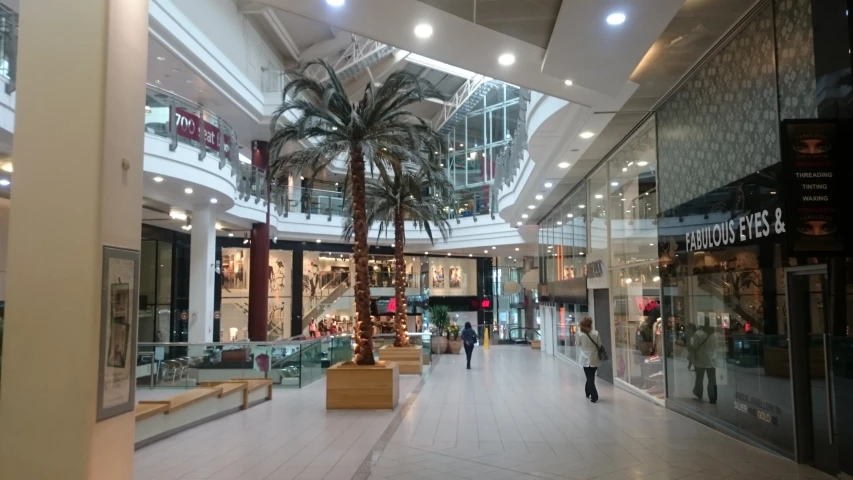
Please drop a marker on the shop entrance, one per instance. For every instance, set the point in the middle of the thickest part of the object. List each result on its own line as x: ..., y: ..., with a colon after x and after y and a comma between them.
x: 821, y: 371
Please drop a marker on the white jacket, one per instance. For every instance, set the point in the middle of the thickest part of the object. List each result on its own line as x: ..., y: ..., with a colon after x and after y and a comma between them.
x: 588, y: 350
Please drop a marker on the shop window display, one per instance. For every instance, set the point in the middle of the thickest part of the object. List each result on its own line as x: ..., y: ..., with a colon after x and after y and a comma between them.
x: 639, y: 344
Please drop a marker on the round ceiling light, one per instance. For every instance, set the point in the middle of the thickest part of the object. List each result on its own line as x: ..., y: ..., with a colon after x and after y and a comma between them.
x: 532, y: 207
x: 568, y: 83
x: 642, y: 164
x: 188, y: 191
x: 335, y: 3
x: 524, y: 215
x: 614, y: 184
x: 617, y: 18
x: 506, y: 59
x: 587, y: 135
x: 158, y: 179
x: 548, y: 184
x: 563, y: 164
x: 540, y: 197
x: 518, y: 223
x: 423, y: 30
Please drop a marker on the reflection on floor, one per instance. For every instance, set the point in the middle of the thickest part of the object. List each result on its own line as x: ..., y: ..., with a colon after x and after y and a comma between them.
x: 517, y: 415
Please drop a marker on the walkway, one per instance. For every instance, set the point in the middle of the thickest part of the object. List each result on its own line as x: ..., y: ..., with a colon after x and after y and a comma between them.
x: 517, y: 415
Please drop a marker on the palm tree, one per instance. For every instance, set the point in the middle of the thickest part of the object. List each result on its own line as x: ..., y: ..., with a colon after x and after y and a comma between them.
x: 392, y: 201
x: 336, y: 127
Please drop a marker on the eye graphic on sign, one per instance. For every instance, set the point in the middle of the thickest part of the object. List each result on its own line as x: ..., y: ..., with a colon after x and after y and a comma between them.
x: 812, y: 146
x: 817, y: 228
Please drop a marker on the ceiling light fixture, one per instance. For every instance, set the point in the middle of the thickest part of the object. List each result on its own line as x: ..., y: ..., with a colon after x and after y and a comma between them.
x: 423, y: 30
x: 559, y: 223
x: 524, y: 215
x: 518, y: 224
x: 614, y: 184
x: 617, y: 18
x: 156, y: 179
x: 335, y: 3
x: 656, y: 279
x: 540, y: 197
x: 624, y: 169
x: 485, y: 251
x: 5, y: 182
x: 214, y: 200
x: 548, y: 184
x: 581, y: 206
x: 147, y: 108
x: 188, y: 191
x: 319, y: 241
x: 571, y: 215
x: 230, y: 234
x: 642, y: 164
x: 563, y: 164
x: 517, y: 249
x: 532, y: 207
x: 568, y: 83
x: 494, y: 248
x: 587, y: 135
x: 160, y: 59
x: 470, y: 255
x: 599, y: 196
x: 506, y: 59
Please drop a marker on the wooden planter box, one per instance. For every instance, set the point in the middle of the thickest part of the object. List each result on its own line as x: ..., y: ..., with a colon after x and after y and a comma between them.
x: 410, y: 359
x: 536, y: 344
x: 356, y: 387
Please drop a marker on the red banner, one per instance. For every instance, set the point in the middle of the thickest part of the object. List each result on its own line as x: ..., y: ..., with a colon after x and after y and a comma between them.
x: 188, y: 126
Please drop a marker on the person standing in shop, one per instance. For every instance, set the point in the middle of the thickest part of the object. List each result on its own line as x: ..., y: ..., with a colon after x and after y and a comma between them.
x: 588, y: 343
x: 469, y: 338
x: 312, y: 329
x: 704, y: 362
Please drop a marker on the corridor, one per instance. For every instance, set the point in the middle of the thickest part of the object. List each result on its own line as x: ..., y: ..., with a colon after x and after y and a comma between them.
x: 517, y: 415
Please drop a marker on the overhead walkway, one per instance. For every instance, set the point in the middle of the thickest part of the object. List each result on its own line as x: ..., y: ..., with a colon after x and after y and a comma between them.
x: 517, y: 415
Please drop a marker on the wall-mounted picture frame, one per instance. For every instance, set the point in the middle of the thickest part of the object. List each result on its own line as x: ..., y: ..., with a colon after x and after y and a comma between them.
x: 119, y: 320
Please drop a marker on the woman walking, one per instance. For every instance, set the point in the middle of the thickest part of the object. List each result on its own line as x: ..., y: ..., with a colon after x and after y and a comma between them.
x: 589, y: 341
x: 469, y: 338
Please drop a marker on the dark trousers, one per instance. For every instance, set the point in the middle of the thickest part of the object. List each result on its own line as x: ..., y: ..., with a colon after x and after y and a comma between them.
x: 700, y: 383
x: 469, y: 349
x: 589, y: 388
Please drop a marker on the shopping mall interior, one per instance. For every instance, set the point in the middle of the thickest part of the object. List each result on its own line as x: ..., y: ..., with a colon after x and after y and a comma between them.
x: 270, y: 222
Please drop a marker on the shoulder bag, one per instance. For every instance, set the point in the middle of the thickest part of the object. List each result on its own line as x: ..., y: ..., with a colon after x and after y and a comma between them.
x: 602, y: 353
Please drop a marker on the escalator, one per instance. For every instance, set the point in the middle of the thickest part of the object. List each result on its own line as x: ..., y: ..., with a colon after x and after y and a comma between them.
x: 521, y: 336
x: 332, y: 287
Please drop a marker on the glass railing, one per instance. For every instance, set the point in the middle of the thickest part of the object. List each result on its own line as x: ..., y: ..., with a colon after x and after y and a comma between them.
x: 422, y: 340
x: 8, y: 46
x: 467, y: 204
x: 292, y: 364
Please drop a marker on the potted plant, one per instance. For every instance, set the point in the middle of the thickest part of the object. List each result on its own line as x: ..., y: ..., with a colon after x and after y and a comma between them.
x: 320, y: 115
x: 439, y: 316
x: 454, y: 343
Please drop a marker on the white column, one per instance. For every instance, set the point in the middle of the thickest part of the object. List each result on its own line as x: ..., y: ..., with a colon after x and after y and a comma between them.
x: 82, y: 176
x: 202, y: 258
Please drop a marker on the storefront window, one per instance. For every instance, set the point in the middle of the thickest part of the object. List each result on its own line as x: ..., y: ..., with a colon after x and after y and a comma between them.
x: 638, y: 329
x: 598, y: 196
x: 634, y: 199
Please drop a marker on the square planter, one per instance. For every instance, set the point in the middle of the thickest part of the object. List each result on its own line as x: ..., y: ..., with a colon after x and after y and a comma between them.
x: 410, y: 359
x: 356, y: 387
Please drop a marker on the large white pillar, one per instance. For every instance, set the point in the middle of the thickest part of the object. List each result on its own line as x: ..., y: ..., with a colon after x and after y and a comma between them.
x: 202, y: 274
x: 78, y: 174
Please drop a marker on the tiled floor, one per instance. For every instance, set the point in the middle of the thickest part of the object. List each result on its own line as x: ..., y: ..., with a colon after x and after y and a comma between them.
x: 516, y: 415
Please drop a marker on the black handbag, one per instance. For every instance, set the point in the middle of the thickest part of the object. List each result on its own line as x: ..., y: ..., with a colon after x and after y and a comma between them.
x: 602, y: 353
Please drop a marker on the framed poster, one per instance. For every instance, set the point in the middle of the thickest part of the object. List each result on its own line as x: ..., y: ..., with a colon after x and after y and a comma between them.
x: 119, y: 315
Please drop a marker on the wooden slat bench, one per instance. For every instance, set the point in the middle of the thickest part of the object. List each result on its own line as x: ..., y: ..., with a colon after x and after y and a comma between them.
x: 148, y: 410
x: 185, y: 399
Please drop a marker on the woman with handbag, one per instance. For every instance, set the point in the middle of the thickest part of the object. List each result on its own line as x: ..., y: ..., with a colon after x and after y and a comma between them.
x: 591, y: 355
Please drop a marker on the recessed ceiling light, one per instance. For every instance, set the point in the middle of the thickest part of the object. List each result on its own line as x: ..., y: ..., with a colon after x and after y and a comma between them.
x: 494, y: 248
x: 517, y: 249
x: 651, y: 244
x: 319, y: 241
x: 568, y: 83
x: 161, y: 59
x: 147, y: 108
x: 158, y: 179
x: 581, y: 206
x: 559, y: 223
x: 214, y: 200
x: 625, y: 169
x: 485, y: 251
x: 518, y: 223
x: 461, y: 145
x: 563, y: 164
x: 524, y: 215
x: 506, y: 59
x: 335, y: 3
x: 423, y: 30
x: 587, y: 135
x: 188, y: 191
x: 599, y: 196
x: 510, y: 257
x: 5, y: 183
x: 470, y: 254
x: 532, y: 207
x: 7, y: 167
x: 571, y: 215
x: 617, y: 18
x: 448, y: 254
x: 642, y: 164
x: 540, y: 197
x: 548, y: 184
x: 614, y: 184
x: 450, y: 149
x: 230, y: 234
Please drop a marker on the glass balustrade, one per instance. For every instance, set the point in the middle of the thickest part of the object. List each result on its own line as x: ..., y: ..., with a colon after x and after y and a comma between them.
x: 293, y: 364
x: 8, y: 46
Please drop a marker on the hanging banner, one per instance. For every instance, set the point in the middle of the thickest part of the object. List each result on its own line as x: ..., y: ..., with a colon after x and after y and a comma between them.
x: 815, y: 157
x: 188, y: 126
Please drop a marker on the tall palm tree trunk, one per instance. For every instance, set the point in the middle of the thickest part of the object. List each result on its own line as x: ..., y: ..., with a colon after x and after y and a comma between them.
x: 402, y: 338
x: 364, y: 325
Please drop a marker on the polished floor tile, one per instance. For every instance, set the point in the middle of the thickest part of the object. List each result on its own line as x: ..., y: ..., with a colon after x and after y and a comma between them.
x: 517, y: 414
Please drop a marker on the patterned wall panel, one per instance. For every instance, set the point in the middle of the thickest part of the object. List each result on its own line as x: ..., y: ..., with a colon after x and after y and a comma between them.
x: 723, y: 123
x: 795, y: 59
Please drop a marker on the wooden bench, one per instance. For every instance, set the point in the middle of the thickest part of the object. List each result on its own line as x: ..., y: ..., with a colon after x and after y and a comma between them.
x: 185, y: 399
x: 227, y: 387
x: 148, y: 410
